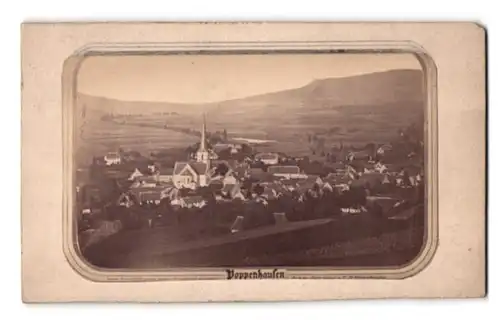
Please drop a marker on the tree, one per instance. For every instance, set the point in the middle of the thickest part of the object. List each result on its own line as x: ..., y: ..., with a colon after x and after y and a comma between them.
x: 206, y: 193
x: 377, y: 211
x: 259, y: 164
x: 246, y: 149
x: 224, y: 154
x: 221, y: 169
x: 355, y: 196
x: 315, y: 168
x: 258, y: 189
x: 165, y: 206
x: 371, y: 149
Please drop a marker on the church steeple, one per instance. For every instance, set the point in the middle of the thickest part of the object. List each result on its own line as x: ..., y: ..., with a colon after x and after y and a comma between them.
x: 202, y: 155
x: 203, y: 146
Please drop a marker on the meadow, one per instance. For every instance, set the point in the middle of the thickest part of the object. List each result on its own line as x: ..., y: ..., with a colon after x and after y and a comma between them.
x: 353, y: 111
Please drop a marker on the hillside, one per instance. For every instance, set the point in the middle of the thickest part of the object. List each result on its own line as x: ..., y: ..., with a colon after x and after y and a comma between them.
x: 383, y: 88
x: 356, y: 110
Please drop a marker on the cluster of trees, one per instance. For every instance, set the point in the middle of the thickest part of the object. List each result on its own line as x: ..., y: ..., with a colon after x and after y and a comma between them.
x: 307, y: 166
x: 246, y: 151
x: 214, y: 214
x: 316, y: 144
x: 218, y: 136
x: 217, y: 217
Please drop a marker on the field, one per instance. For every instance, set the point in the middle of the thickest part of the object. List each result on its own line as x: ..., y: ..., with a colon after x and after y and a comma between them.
x: 351, y: 126
x: 329, y: 109
x: 326, y: 242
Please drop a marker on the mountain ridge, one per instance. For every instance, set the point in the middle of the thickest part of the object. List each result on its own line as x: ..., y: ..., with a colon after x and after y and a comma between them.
x: 402, y: 86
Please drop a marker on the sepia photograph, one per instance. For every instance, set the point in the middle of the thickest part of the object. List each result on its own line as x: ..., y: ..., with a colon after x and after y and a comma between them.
x: 259, y: 160
x: 197, y: 162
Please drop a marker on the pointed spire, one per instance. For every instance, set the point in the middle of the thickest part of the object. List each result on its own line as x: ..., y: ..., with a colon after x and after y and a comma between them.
x: 203, y: 146
x: 202, y: 155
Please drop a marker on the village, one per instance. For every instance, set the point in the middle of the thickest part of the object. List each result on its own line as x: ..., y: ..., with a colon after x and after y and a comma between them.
x: 220, y: 186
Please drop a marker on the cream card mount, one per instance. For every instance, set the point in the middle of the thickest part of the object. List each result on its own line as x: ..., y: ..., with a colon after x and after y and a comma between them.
x: 201, y: 162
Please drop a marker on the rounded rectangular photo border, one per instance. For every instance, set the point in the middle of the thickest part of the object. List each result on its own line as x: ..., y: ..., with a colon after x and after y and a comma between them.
x: 70, y: 240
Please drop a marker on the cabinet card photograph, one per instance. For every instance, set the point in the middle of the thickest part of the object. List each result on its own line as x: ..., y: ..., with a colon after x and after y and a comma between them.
x: 250, y: 160
x: 196, y: 162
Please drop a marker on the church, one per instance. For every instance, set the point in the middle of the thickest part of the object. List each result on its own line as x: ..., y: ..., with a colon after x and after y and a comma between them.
x: 195, y: 173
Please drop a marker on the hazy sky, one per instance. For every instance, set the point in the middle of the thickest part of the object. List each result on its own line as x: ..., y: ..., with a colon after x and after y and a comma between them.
x: 203, y: 78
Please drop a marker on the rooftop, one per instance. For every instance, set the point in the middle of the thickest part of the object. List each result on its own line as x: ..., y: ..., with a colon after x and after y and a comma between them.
x: 193, y: 199
x: 266, y: 156
x: 284, y: 169
x: 112, y: 155
x: 198, y: 167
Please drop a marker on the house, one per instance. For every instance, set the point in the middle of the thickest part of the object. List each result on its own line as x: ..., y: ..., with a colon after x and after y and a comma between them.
x: 232, y: 191
x: 385, y: 203
x: 267, y: 158
x: 269, y: 193
x: 254, y: 172
x: 368, y: 168
x: 391, y: 168
x: 164, y: 174
x: 280, y: 218
x: 194, y: 174
x: 237, y: 225
x: 327, y: 187
x: 290, y: 184
x: 259, y: 175
x: 382, y: 149
x: 337, y: 181
x: 240, y: 172
x: 171, y: 193
x: 278, y: 188
x: 230, y: 179
x: 388, y: 179
x: 144, y: 182
x: 380, y: 168
x: 286, y: 172
x: 153, y: 196
x: 176, y: 202
x: 336, y: 166
x: 415, y: 175
x: 125, y: 200
x: 307, y: 185
x: 353, y: 210
x: 112, y: 158
x: 152, y: 168
x: 192, y: 202
x: 190, y: 174
x: 148, y: 189
x: 369, y: 180
x: 316, y: 179
x: 261, y: 200
x: 359, y: 155
x: 352, y: 173
x: 136, y: 174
